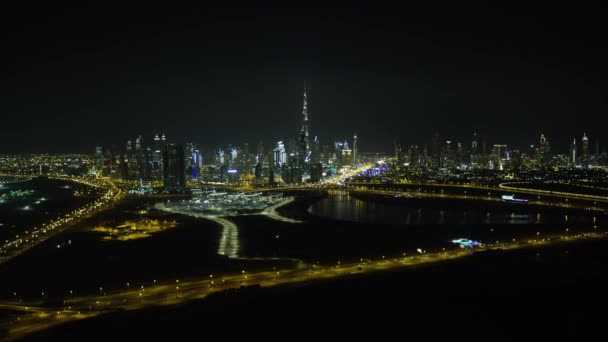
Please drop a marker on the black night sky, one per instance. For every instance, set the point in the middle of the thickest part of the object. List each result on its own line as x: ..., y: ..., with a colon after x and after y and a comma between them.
x: 72, y: 78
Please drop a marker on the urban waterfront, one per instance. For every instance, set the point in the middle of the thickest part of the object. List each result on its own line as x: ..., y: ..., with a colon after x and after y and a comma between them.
x: 329, y: 230
x: 272, y: 172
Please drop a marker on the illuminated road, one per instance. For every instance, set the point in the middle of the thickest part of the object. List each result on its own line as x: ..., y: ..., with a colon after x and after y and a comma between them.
x: 513, y: 187
x: 229, y: 241
x: 419, y: 194
x: 34, y: 236
x: 35, y: 316
x: 271, y: 211
x: 339, y: 179
x: 503, y: 186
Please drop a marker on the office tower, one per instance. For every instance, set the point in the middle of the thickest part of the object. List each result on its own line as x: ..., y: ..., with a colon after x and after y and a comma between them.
x: 459, y: 155
x: 435, y: 151
x: 516, y: 161
x: 572, y: 155
x: 258, y: 171
x: 474, y: 158
x: 425, y: 155
x: 398, y: 153
x: 326, y: 154
x: 413, y: 157
x: 448, y: 155
x: 174, y: 167
x: 346, y: 157
x: 316, y: 172
x: 271, y: 181
x: 585, y: 152
x: 260, y: 152
x: 315, y: 151
x: 499, y: 157
x: 484, y: 152
x: 280, y: 155
x: 543, y: 151
x: 355, y: 151
x: 156, y: 167
x: 99, y: 160
x: 397, y: 148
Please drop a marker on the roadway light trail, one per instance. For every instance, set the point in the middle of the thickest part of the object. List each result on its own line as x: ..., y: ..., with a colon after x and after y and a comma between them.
x: 35, y: 316
x: 36, y: 235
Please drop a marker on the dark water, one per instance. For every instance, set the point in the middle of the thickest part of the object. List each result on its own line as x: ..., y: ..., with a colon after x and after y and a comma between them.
x: 342, y: 206
x: 49, y: 199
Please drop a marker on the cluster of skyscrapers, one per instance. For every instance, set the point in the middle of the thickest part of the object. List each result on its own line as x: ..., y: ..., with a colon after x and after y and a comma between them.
x: 302, y: 158
x: 478, y: 154
x: 293, y: 160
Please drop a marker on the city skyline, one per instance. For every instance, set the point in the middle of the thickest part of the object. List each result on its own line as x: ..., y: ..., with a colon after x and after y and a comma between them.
x: 271, y: 171
x: 79, y: 80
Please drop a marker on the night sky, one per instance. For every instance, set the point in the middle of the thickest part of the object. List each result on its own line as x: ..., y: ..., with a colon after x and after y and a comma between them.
x: 72, y: 78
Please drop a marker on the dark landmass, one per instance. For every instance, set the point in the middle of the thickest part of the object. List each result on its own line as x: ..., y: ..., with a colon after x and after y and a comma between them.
x: 553, y: 292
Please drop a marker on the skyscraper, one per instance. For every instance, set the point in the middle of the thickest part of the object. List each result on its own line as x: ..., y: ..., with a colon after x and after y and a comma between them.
x: 260, y: 153
x: 397, y: 147
x: 484, y: 150
x: 355, y: 151
x: 99, y: 158
x: 280, y: 155
x: 435, y: 150
x: 475, y: 150
x: 543, y: 151
x: 572, y: 156
x: 157, y: 159
x: 315, y: 151
x: 585, y: 152
x: 316, y: 172
x: 304, y: 145
x: 174, y: 167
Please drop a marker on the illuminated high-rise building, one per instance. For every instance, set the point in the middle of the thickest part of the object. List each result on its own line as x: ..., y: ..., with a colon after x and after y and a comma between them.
x: 413, y: 155
x: 156, y: 146
x: 316, y: 172
x: 516, y: 161
x: 315, y: 151
x: 157, y: 159
x: 355, y: 151
x: 572, y: 155
x: 397, y: 147
x: 596, y: 153
x: 448, y: 155
x: 346, y: 157
x: 99, y: 160
x: 459, y: 154
x: 280, y: 155
x: 174, y: 167
x: 435, y: 151
x: 500, y: 157
x: 475, y: 150
x: 585, y: 152
x: 543, y: 151
x: 304, y: 145
x: 483, y: 159
x: 260, y: 153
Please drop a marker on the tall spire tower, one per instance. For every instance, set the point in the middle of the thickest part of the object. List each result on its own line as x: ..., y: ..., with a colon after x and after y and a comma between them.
x: 304, y: 145
x: 305, y: 121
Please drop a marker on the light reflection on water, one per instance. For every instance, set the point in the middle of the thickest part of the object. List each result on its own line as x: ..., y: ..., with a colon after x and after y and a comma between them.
x: 340, y: 206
